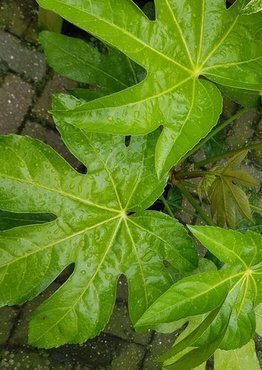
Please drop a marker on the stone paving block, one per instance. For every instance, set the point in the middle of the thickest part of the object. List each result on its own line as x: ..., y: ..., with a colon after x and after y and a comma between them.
x: 17, y: 16
x: 40, y: 132
x: 242, y: 131
x: 18, y: 359
x: 43, y: 105
x: 159, y: 344
x: 7, y: 318
x: 122, y: 289
x: 129, y: 357
x: 20, y: 335
x: 121, y: 326
x: 15, y: 99
x: 20, y: 58
x: 95, y: 353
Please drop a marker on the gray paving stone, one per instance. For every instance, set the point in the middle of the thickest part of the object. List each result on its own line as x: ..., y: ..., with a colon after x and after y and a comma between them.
x: 18, y: 359
x: 40, y: 132
x: 120, y: 326
x: 160, y: 344
x: 43, y: 105
x: 242, y: 131
x: 129, y: 357
x: 15, y: 99
x: 96, y: 353
x: 20, y: 334
x: 20, y: 58
x: 17, y: 16
x: 7, y: 318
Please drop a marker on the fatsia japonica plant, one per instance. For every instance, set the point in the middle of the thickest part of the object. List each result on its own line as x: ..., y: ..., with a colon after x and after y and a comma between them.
x: 155, y: 82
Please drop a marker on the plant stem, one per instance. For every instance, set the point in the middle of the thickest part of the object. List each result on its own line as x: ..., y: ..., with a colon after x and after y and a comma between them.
x: 165, y: 202
x: 192, y: 174
x: 226, y: 155
x: 195, y: 204
x: 216, y: 131
x: 255, y: 208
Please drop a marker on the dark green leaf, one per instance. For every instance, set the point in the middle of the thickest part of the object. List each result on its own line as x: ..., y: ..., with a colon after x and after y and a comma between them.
x: 78, y: 60
x: 187, y: 40
x: 96, y: 228
x: 9, y: 220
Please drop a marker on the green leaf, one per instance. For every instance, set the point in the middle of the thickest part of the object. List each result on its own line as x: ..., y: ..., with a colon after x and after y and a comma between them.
x: 102, y: 227
x: 237, y: 359
x: 78, y: 60
x: 246, y: 98
x: 220, y: 186
x: 236, y: 288
x: 197, y: 356
x: 187, y: 40
x: 191, y: 338
x: 9, y: 220
x: 254, y: 6
x: 193, y: 295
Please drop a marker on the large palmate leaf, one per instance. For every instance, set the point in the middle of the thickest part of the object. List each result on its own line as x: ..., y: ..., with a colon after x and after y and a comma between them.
x: 187, y: 40
x: 228, y: 295
x: 96, y: 228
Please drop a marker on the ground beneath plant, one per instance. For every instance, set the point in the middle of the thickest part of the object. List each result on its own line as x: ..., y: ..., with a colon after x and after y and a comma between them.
x: 26, y: 85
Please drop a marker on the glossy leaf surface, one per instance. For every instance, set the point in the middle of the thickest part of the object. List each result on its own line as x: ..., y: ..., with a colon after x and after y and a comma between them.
x: 81, y: 61
x: 236, y: 288
x: 94, y: 230
x: 252, y: 7
x: 237, y: 359
x: 187, y: 40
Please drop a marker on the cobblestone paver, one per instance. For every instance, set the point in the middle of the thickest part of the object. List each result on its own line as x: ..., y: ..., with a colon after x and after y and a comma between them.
x: 19, y: 58
x: 15, y: 99
x: 43, y: 104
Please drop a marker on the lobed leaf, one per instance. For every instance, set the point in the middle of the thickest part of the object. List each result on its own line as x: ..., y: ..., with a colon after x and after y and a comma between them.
x: 101, y: 227
x: 232, y: 291
x: 187, y: 40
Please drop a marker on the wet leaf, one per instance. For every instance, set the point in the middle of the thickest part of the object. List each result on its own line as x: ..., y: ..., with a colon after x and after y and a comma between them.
x: 229, y: 296
x: 189, y: 39
x: 254, y: 6
x: 237, y: 359
x: 81, y: 61
x: 101, y: 227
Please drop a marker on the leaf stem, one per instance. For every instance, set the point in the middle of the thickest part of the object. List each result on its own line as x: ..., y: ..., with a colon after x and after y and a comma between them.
x: 255, y: 208
x: 216, y: 130
x: 192, y: 174
x: 227, y: 154
x: 195, y: 204
x: 165, y: 202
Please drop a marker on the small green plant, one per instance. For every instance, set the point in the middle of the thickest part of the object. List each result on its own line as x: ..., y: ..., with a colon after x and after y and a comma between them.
x: 157, y: 78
